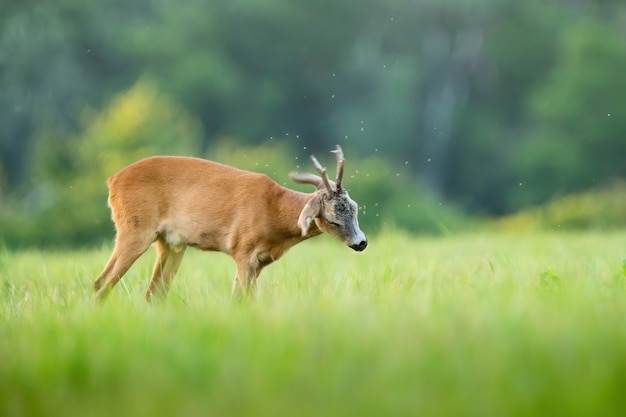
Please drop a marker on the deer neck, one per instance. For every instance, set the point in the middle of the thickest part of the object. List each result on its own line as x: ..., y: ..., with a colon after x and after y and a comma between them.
x: 292, y: 203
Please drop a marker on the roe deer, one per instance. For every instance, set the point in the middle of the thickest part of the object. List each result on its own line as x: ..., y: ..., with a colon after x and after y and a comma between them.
x: 175, y: 202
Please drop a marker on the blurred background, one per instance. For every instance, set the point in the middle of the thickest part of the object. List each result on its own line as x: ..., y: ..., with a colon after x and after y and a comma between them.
x: 451, y: 113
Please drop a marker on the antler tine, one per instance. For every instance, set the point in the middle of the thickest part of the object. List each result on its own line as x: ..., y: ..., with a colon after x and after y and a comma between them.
x: 322, y: 172
x: 340, y: 161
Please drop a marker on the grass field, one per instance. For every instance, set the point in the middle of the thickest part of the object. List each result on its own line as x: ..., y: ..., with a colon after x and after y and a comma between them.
x: 476, y: 325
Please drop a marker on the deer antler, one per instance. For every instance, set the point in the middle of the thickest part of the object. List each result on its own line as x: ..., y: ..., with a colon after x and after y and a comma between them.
x: 322, y: 172
x: 340, y: 161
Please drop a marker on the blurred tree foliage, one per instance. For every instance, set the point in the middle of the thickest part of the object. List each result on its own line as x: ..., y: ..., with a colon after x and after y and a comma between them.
x: 602, y: 208
x: 580, y: 136
x: 66, y: 200
x: 486, y: 105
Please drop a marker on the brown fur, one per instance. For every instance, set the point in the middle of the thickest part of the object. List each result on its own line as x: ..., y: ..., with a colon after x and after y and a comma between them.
x: 175, y: 202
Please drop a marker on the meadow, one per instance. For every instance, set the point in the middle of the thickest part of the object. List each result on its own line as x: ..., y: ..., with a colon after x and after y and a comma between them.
x: 472, y: 325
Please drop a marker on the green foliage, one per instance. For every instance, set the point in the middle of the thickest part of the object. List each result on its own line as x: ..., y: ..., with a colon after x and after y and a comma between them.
x: 274, y: 158
x: 497, y: 105
x: 391, y: 197
x: 619, y: 278
x: 428, y: 326
x: 598, y: 209
x: 549, y: 280
x: 68, y: 197
x: 577, y: 117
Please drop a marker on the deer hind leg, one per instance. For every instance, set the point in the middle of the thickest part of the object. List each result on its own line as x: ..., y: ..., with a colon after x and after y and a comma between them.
x: 128, y: 247
x: 167, y: 263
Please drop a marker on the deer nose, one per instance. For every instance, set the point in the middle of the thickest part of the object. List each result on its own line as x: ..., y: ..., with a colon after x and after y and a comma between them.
x: 359, y: 246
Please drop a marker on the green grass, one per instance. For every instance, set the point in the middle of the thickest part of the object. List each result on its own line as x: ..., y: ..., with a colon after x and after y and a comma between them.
x: 479, y: 325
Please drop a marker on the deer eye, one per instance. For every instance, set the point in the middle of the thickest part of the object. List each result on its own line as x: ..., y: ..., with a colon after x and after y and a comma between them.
x: 332, y: 223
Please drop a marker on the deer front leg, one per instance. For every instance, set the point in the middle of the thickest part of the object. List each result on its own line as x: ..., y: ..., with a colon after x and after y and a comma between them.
x: 244, y: 284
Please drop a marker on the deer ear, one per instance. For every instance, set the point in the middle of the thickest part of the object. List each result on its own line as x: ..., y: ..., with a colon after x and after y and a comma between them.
x: 311, y: 210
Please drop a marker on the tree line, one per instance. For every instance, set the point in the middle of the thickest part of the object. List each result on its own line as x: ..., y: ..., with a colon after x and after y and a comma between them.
x: 484, y: 106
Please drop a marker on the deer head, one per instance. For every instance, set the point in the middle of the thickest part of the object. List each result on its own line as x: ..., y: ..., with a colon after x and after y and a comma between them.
x: 331, y: 207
